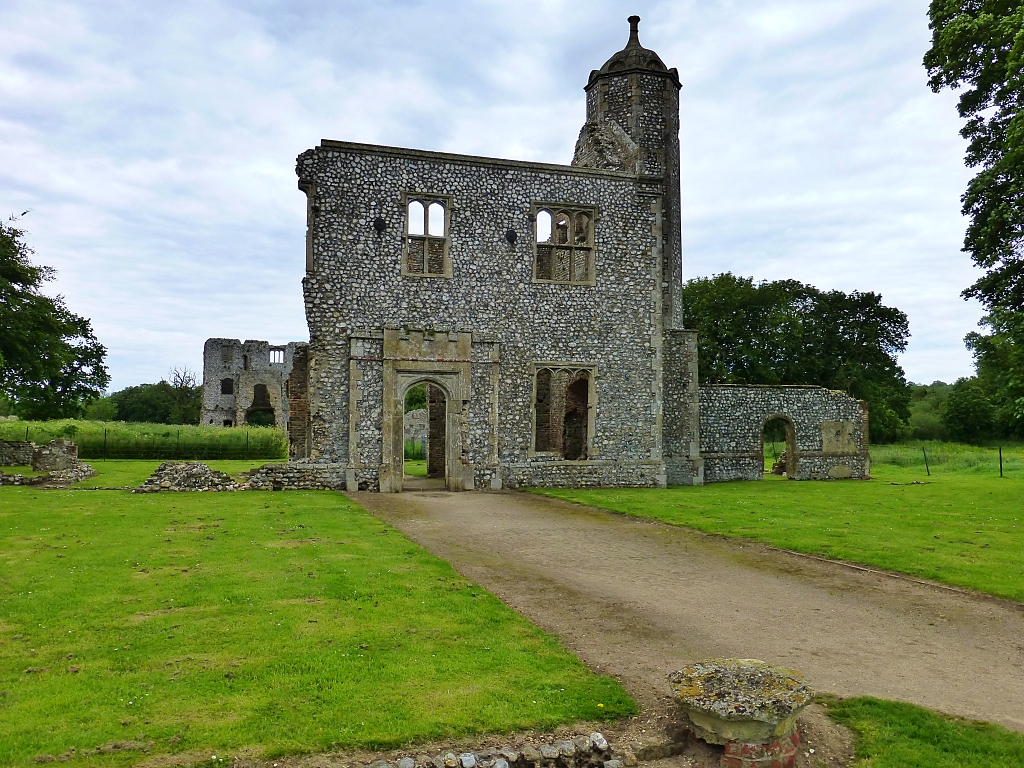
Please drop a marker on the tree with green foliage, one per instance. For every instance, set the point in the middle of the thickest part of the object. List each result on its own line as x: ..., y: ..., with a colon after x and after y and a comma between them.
x: 101, y: 409
x: 51, y: 364
x: 978, y: 49
x: 926, y: 403
x: 999, y: 358
x: 968, y: 413
x: 176, y: 402
x: 785, y: 332
x: 151, y: 403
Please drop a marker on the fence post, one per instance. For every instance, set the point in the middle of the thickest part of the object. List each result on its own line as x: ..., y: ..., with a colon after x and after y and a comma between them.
x: 926, y: 469
x: 1000, y: 461
x: 26, y: 434
x: 247, y: 443
x: 104, y: 443
x: 177, y: 446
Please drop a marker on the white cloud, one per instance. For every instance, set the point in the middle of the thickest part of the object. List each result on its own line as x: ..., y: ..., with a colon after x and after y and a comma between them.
x: 155, y: 144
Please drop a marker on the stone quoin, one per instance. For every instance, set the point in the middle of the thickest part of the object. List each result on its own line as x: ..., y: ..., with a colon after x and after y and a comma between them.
x: 539, y: 303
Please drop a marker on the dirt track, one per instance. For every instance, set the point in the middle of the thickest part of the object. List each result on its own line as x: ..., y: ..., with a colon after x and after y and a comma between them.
x: 638, y: 599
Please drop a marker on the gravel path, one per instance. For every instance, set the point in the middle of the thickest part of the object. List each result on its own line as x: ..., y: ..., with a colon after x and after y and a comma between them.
x: 638, y: 599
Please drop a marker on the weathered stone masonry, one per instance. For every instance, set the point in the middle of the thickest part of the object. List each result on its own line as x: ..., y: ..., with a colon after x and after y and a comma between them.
x: 541, y: 305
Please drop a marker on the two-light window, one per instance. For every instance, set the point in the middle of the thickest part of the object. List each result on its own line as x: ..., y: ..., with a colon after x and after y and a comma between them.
x: 564, y: 245
x: 426, y: 237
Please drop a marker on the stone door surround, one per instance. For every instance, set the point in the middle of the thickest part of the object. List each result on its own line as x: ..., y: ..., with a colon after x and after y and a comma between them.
x: 444, y: 360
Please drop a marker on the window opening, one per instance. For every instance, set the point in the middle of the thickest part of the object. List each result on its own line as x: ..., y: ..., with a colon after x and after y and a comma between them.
x: 426, y: 241
x: 228, y: 423
x: 227, y: 386
x: 416, y: 218
x: 562, y: 413
x: 564, y: 246
x: 261, y: 412
x: 276, y: 356
x: 245, y: 362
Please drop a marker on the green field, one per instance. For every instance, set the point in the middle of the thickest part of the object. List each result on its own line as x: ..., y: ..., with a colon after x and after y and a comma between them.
x: 892, y: 734
x: 163, y: 442
x: 961, y: 525
x: 206, y: 623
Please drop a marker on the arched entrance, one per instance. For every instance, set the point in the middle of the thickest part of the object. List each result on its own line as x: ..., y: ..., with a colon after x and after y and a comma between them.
x: 778, y: 444
x: 443, y: 449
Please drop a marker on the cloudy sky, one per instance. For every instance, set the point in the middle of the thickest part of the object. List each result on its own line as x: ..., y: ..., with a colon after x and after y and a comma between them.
x: 155, y: 142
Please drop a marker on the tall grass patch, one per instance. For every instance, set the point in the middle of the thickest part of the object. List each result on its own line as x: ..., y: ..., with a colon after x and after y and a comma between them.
x: 163, y: 442
x: 273, y: 623
x: 945, y: 457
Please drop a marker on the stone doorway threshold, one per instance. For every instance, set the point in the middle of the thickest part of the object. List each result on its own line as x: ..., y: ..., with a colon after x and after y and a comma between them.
x: 414, y: 483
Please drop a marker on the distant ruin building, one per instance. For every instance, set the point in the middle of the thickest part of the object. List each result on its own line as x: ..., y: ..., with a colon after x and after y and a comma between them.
x: 260, y: 384
x: 540, y: 303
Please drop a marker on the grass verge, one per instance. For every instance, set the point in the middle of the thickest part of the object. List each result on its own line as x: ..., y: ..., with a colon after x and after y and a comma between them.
x: 958, y: 527
x: 893, y: 734
x: 277, y: 623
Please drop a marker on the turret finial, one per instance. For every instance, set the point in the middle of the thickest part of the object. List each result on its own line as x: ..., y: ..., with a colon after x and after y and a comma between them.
x: 634, y: 32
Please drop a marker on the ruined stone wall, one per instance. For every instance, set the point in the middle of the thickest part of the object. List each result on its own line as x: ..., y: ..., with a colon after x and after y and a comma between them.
x: 830, y: 429
x: 246, y: 364
x: 298, y: 476
x: 297, y: 390
x: 16, y: 453
x: 683, y: 462
x: 355, y: 291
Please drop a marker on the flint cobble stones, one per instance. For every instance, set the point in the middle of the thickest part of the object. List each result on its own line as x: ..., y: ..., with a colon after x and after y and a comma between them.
x: 830, y: 431
x: 591, y: 751
x: 16, y: 453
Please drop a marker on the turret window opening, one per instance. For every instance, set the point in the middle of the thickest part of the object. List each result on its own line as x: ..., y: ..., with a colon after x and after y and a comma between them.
x: 564, y: 245
x: 425, y: 250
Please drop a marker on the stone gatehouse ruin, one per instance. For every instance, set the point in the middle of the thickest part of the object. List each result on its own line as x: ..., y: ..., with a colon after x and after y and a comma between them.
x: 541, y: 303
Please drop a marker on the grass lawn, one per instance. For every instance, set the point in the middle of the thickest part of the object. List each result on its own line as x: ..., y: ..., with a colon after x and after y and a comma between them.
x: 416, y: 467
x: 26, y: 470
x: 960, y: 526
x: 209, y: 623
x: 897, y: 735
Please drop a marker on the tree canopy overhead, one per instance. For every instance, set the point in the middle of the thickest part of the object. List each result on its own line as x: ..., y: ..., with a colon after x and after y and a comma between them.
x: 785, y: 332
x: 50, y: 362
x: 978, y: 46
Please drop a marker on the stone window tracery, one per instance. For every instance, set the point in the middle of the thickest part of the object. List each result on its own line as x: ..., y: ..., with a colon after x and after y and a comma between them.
x: 563, y: 244
x: 563, y: 405
x: 425, y: 251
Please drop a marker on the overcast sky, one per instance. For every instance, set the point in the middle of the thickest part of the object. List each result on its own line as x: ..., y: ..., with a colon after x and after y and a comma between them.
x: 155, y: 143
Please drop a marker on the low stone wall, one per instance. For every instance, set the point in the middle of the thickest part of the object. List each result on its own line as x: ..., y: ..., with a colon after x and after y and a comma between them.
x: 591, y: 751
x: 298, y: 476
x: 827, y: 431
x: 593, y: 473
x: 16, y: 453
x: 20, y: 479
x: 55, y: 456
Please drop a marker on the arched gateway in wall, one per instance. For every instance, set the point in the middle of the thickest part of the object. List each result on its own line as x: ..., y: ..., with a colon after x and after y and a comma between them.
x: 829, y: 431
